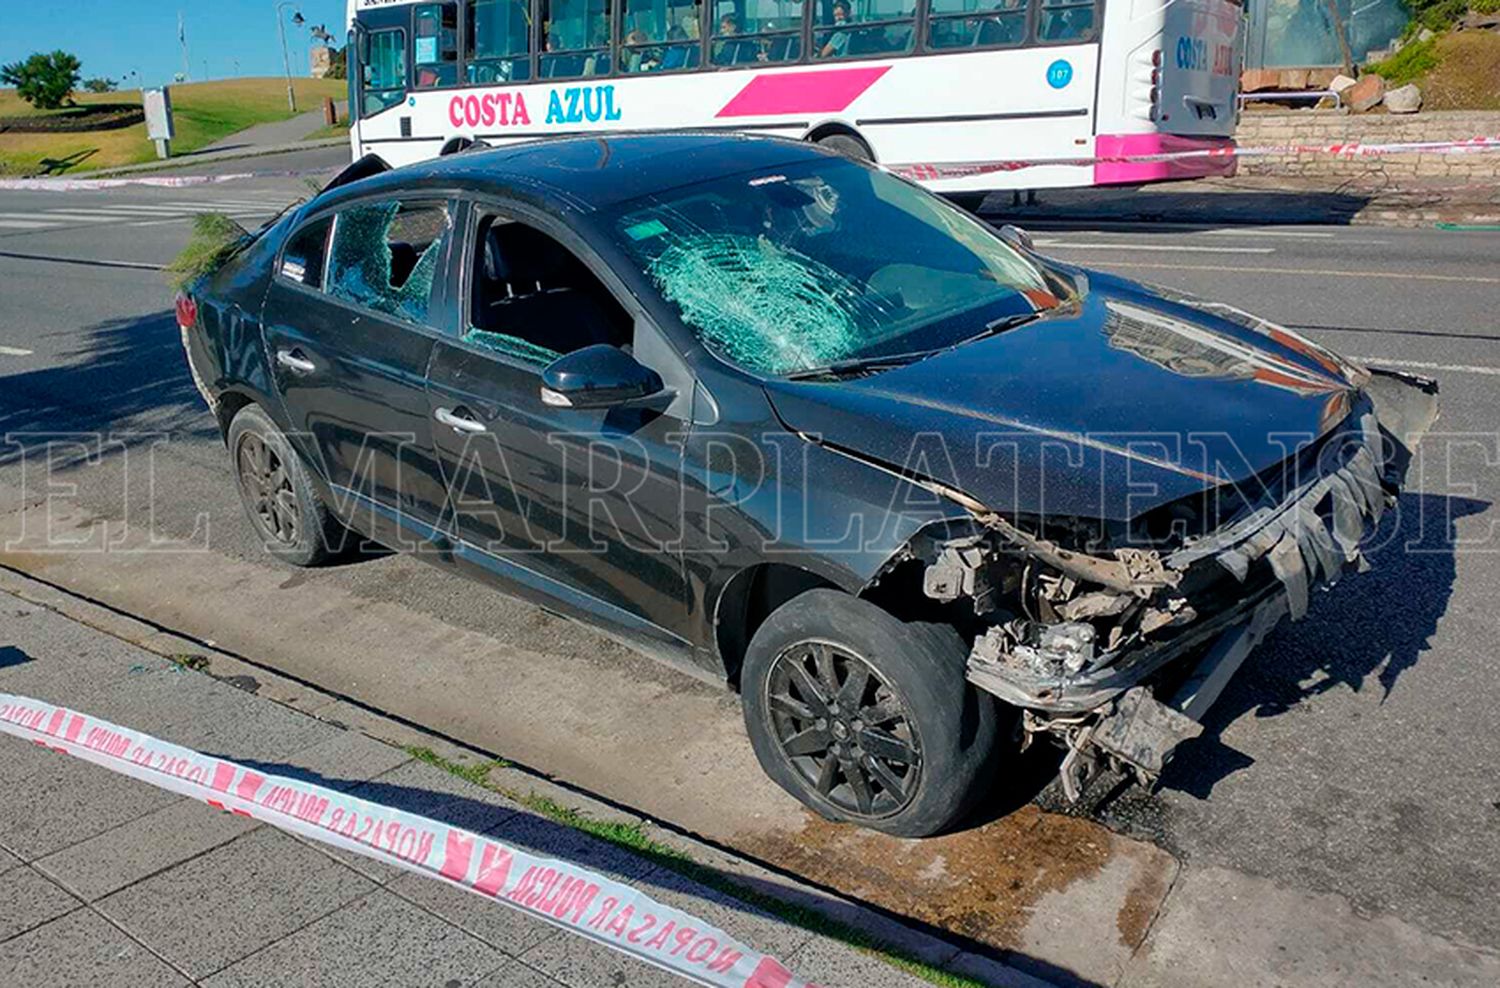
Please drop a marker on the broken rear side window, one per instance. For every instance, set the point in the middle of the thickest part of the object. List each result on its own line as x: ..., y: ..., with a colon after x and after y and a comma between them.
x: 385, y: 256
x: 822, y: 262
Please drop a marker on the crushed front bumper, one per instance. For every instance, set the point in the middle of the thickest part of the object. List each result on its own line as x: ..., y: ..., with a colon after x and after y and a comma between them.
x: 1119, y: 707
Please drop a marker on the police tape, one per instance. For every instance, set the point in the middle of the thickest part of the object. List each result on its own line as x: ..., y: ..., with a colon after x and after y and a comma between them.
x: 585, y: 904
x: 933, y: 171
x: 147, y: 181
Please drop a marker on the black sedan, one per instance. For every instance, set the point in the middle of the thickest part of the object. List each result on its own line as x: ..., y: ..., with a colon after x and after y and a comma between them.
x: 797, y: 426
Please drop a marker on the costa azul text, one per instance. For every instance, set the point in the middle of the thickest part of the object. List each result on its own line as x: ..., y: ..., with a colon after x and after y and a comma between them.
x: 510, y: 108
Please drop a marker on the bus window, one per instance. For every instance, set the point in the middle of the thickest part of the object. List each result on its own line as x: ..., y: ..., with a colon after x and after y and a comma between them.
x: 862, y: 28
x: 497, y: 43
x: 1066, y: 20
x: 659, y: 35
x: 750, y: 32
x: 435, y: 45
x: 575, y: 38
x: 976, y: 23
x: 384, y: 71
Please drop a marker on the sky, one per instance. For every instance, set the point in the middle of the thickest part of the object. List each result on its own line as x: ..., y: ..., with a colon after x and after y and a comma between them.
x: 116, y: 38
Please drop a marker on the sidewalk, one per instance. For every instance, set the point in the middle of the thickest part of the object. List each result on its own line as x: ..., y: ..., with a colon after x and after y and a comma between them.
x: 1259, y: 200
x: 277, y: 133
x: 105, y: 880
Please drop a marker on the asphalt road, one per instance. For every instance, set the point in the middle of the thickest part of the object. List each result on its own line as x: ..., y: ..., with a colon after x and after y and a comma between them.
x: 1355, y: 754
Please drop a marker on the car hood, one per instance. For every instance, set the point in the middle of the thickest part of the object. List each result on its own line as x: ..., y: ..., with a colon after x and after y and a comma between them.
x: 1130, y: 400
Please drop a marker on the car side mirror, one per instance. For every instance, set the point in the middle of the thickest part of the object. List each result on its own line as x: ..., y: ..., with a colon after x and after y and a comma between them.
x: 598, y: 376
x: 1017, y: 238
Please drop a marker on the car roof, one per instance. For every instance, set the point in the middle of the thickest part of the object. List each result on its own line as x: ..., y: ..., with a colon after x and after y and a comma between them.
x: 599, y: 171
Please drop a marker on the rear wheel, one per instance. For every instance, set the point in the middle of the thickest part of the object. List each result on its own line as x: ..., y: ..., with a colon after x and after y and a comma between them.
x: 970, y: 201
x: 866, y: 718
x: 284, y: 509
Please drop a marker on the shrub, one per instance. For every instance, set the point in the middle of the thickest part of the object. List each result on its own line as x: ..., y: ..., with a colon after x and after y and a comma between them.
x: 1409, y: 64
x: 44, y: 81
x: 99, y: 84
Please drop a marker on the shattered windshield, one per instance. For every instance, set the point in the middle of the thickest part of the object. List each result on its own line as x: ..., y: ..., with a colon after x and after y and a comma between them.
x: 824, y: 262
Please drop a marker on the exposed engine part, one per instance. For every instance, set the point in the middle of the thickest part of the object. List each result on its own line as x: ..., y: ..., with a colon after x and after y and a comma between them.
x: 1142, y: 732
x: 961, y: 570
x: 1133, y: 571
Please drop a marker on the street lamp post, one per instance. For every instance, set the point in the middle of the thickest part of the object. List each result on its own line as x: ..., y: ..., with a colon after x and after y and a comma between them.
x: 286, y: 62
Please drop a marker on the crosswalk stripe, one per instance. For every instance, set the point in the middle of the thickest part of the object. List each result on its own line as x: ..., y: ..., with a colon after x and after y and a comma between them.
x: 228, y: 204
x: 33, y: 217
x: 79, y: 217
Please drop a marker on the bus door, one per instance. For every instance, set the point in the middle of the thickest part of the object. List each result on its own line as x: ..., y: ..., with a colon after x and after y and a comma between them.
x: 379, y: 72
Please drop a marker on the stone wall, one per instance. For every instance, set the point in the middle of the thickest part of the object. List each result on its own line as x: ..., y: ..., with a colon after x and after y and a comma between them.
x: 1260, y: 128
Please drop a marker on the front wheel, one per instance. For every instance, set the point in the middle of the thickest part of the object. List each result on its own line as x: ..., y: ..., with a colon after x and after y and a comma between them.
x: 865, y: 718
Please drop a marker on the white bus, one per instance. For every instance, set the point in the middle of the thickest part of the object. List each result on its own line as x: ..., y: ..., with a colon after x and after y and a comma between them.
x: 907, y: 83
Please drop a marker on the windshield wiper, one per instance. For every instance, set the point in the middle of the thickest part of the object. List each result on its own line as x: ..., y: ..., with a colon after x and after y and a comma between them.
x: 859, y: 365
x: 997, y: 326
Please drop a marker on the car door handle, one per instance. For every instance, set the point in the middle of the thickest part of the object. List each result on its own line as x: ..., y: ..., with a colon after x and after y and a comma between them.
x: 295, y: 361
x: 457, y: 422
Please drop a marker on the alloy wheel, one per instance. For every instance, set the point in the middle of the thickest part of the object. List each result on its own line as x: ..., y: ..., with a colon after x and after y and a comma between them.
x: 844, y: 729
x: 268, y: 490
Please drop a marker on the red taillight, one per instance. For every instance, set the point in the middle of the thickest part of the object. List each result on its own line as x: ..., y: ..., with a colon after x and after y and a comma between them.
x: 1156, y: 58
x: 187, y: 311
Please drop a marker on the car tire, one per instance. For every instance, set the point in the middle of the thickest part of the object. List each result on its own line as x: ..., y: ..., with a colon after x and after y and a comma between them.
x: 284, y: 509
x: 969, y: 202
x: 914, y: 704
x: 847, y: 145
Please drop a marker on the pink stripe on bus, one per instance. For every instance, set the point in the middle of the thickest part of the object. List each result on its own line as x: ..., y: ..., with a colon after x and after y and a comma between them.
x: 1127, y: 145
x: 820, y: 91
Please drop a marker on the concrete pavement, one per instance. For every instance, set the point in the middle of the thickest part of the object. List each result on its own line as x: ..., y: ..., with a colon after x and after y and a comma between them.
x: 110, y: 880
x: 1333, y: 776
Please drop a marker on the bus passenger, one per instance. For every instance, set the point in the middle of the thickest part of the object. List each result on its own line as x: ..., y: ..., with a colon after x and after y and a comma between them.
x: 838, y: 42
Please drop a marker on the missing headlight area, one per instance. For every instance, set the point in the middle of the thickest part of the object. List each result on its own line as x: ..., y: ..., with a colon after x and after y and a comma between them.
x: 1114, y: 647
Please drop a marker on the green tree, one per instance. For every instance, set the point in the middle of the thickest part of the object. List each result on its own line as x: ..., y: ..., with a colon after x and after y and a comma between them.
x: 98, y: 84
x: 44, y: 81
x: 338, y: 64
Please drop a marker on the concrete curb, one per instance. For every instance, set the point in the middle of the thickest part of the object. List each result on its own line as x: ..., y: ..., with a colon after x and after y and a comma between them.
x: 305, y: 698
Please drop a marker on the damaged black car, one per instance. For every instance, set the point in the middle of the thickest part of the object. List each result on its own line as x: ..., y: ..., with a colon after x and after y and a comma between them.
x: 792, y: 424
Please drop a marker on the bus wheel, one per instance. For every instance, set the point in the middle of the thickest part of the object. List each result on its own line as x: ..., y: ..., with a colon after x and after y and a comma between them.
x: 458, y: 145
x: 970, y: 201
x: 846, y: 144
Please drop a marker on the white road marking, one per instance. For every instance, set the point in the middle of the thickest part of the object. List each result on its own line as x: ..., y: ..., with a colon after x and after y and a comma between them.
x: 1303, y: 234
x: 24, y: 225
x: 1183, y: 248
x: 54, y: 219
x: 13, y: 351
x: 1424, y: 365
x: 1314, y: 272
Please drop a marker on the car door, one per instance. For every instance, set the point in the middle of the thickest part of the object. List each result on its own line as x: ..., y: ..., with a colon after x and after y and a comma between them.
x: 350, y: 320
x: 577, y: 509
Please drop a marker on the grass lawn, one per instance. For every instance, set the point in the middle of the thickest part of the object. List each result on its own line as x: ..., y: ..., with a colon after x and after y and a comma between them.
x: 1457, y: 70
x: 205, y: 112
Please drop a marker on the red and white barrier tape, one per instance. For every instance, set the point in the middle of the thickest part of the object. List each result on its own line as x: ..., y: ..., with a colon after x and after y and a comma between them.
x: 149, y: 181
x: 585, y: 904
x: 968, y: 169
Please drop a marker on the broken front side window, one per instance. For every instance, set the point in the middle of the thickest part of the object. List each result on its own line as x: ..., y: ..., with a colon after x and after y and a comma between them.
x: 822, y: 262
x: 385, y: 256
